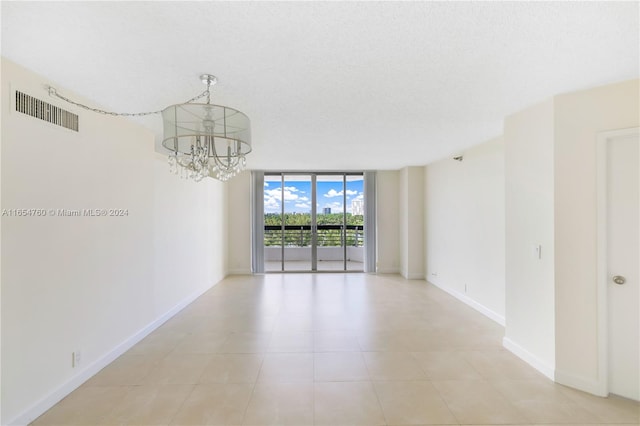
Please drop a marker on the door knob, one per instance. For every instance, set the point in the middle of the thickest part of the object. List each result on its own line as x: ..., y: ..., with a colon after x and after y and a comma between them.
x: 619, y: 279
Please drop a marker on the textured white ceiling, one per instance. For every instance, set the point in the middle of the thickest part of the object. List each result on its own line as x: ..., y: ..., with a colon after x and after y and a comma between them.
x: 331, y: 85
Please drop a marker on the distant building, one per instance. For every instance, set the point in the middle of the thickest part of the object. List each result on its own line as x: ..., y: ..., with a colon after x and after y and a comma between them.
x: 326, y: 210
x: 357, y: 207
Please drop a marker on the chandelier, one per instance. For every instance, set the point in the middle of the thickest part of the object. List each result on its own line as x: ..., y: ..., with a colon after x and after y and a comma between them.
x: 204, y: 139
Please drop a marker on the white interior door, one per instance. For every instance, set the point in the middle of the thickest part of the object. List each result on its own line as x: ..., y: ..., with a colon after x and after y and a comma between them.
x: 623, y: 265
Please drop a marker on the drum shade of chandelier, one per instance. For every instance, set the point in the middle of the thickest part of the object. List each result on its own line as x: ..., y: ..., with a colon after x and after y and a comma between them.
x: 206, y: 139
x: 203, y: 139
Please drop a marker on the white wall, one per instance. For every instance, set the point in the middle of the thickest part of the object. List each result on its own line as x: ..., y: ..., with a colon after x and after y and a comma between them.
x: 239, y: 226
x: 2, y: 107
x: 529, y: 202
x: 97, y: 284
x: 387, y: 216
x: 579, y: 117
x: 551, y: 305
x: 411, y: 215
x: 464, y: 227
x: 189, y: 243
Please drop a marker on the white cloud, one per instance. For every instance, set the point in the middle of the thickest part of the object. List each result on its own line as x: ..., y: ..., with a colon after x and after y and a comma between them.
x: 273, y: 198
x: 277, y: 193
x: 293, y: 195
x: 266, y: 184
x: 271, y: 205
x: 333, y: 193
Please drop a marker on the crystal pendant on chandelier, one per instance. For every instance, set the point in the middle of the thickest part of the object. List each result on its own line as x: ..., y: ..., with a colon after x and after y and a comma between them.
x: 206, y: 139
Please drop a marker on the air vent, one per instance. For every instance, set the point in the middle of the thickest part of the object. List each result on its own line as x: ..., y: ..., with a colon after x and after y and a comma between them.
x: 45, y: 111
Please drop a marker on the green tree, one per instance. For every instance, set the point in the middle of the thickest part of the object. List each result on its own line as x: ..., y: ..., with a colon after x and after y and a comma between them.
x: 300, y: 237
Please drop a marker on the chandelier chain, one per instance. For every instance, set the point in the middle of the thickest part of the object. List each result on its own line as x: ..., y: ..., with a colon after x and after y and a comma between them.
x: 197, y: 150
x: 54, y: 92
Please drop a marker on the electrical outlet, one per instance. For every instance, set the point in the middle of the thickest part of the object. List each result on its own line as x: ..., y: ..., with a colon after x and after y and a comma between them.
x: 76, y: 358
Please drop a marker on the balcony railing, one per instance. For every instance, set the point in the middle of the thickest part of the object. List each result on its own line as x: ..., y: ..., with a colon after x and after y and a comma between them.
x: 301, y: 235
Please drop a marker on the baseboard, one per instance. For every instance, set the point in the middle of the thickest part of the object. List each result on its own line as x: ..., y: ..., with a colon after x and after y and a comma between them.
x: 44, y: 404
x: 387, y: 271
x: 413, y: 276
x: 529, y: 358
x: 475, y: 305
x: 239, y: 272
x: 591, y: 386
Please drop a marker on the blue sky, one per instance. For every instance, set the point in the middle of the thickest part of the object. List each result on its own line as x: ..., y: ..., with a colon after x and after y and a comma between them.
x: 297, y: 195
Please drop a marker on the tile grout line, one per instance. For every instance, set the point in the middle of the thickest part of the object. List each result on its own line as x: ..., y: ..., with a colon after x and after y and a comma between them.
x: 193, y: 388
x: 313, y: 387
x: 255, y: 384
x: 445, y: 402
x: 375, y: 392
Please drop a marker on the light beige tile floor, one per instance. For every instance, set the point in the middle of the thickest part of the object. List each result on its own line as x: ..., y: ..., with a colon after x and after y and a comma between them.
x: 328, y: 349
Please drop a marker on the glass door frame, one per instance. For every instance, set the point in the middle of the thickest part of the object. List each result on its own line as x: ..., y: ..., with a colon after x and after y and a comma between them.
x: 314, y: 219
x: 313, y: 225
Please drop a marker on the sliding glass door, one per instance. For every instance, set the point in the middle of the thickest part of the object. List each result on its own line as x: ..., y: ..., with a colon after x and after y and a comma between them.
x: 298, y: 216
x: 340, y: 222
x: 313, y: 222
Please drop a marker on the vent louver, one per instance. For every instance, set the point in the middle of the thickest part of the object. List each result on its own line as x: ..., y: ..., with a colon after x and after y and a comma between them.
x: 45, y: 111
